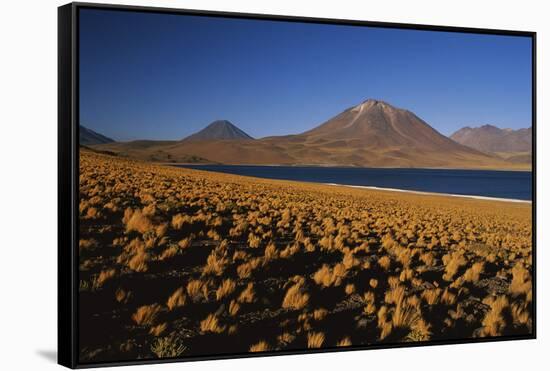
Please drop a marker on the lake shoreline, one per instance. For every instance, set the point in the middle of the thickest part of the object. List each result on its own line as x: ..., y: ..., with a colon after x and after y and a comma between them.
x: 431, y: 193
x: 480, y: 184
x: 328, y: 166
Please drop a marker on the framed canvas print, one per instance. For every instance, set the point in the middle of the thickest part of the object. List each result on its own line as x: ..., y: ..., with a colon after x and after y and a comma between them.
x: 233, y: 185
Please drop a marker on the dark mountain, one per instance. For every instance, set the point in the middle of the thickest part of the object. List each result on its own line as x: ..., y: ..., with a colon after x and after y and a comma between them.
x: 219, y: 130
x: 489, y: 138
x: 89, y: 137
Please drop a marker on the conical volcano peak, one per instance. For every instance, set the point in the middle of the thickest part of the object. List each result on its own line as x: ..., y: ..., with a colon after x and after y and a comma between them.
x: 219, y: 130
x: 371, y: 103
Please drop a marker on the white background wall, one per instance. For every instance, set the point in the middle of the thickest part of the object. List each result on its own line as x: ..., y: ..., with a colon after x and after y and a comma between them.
x: 28, y: 83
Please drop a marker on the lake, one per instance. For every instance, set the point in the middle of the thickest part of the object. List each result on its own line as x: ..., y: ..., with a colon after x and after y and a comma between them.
x: 486, y: 183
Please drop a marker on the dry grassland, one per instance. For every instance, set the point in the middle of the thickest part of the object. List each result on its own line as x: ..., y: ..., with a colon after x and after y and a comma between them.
x: 177, y: 262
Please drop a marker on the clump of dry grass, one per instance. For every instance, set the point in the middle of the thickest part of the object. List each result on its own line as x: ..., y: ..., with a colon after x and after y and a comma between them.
x: 344, y: 342
x: 315, y: 339
x: 197, y: 290
x: 521, y: 314
x: 453, y: 262
x: 472, y: 274
x: 215, y: 263
x: 370, y: 305
x: 184, y: 243
x: 494, y: 321
x: 286, y: 338
x: 448, y: 297
x: 384, y: 262
x: 247, y: 295
x: 168, y: 347
x: 177, y: 299
x: 261, y: 346
x: 290, y: 250
x: 253, y: 240
x: 87, y: 244
x: 246, y: 269
x: 138, y: 262
x: 136, y: 220
x: 147, y: 314
x: 179, y: 220
x: 521, y: 281
x: 169, y: 252
x: 234, y: 307
x: 158, y: 329
x: 211, y: 324
x: 225, y: 289
x: 320, y: 314
x: 296, y: 297
x: 402, y: 313
x: 270, y: 252
x: 327, y: 276
x: 350, y: 289
x: 428, y: 258
x: 103, y: 277
x: 431, y: 296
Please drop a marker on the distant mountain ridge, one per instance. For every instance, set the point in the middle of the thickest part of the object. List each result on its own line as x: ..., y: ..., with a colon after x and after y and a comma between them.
x: 489, y: 138
x: 370, y: 134
x: 89, y: 137
x: 219, y: 130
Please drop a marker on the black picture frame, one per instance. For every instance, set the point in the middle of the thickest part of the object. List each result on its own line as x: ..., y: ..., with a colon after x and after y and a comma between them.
x: 68, y: 177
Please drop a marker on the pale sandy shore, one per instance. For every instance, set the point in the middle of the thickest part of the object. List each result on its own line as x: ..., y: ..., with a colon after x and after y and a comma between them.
x: 431, y: 193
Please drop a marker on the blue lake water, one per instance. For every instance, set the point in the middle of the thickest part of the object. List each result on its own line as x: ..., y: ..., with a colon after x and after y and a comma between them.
x: 487, y: 183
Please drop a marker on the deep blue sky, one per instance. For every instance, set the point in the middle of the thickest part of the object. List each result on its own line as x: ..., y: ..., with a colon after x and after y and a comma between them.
x: 161, y: 76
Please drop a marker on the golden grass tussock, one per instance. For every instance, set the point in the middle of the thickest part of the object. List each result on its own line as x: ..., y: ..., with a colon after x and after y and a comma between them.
x: 215, y: 263
x: 225, y: 289
x: 197, y: 290
x: 270, y: 252
x: 104, y: 276
x: 234, y: 307
x: 147, y: 314
x: 344, y: 342
x: 384, y: 262
x: 296, y: 297
x: 246, y: 269
x: 158, y: 329
x: 431, y: 296
x: 170, y: 252
x: 315, y: 339
x: 320, y: 314
x: 177, y: 299
x: 472, y: 274
x: 184, y: 243
x: 138, y: 262
x: 179, y: 220
x: 261, y: 346
x: 211, y: 324
x: 247, y: 295
x: 494, y: 321
x: 453, y: 262
x: 254, y: 241
x: 135, y: 220
x: 327, y: 276
x: 521, y: 281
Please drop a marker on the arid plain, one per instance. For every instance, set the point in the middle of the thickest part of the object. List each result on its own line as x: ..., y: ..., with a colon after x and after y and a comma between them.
x: 177, y: 262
